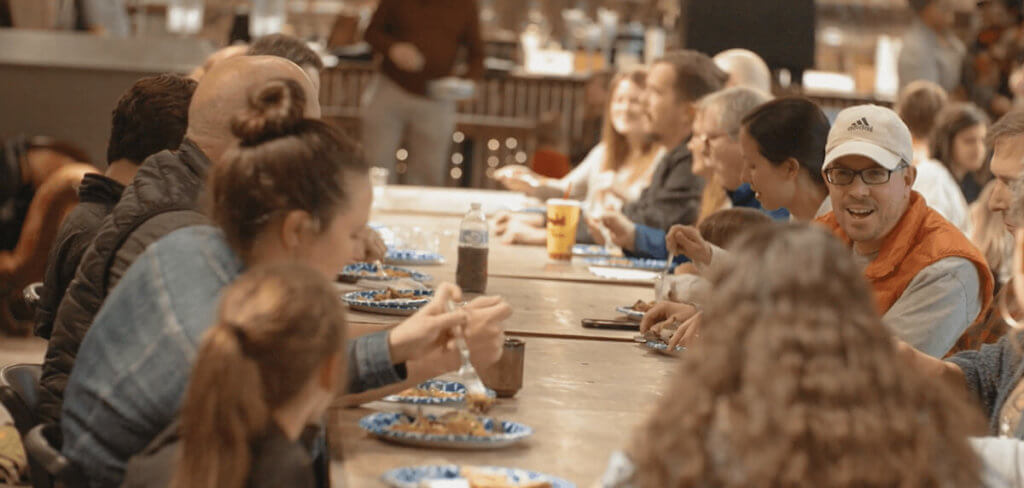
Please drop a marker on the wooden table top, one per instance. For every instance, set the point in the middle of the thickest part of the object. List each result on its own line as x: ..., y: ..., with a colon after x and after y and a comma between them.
x: 584, y: 389
x: 504, y: 260
x: 549, y: 308
x: 582, y: 398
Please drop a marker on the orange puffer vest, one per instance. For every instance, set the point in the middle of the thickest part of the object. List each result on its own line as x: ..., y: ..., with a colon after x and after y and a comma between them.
x: 921, y: 238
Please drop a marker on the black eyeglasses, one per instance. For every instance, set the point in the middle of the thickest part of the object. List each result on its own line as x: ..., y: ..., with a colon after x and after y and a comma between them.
x: 870, y: 176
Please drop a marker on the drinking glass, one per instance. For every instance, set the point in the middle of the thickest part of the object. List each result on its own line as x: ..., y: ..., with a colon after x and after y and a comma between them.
x: 379, y: 181
x: 184, y: 16
x: 267, y: 17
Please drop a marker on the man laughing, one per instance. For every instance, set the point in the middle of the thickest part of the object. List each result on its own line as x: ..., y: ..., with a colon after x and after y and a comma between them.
x: 929, y: 281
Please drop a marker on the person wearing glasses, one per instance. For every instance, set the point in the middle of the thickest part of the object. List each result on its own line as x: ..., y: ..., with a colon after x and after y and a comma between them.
x: 675, y: 83
x: 716, y: 141
x: 929, y: 282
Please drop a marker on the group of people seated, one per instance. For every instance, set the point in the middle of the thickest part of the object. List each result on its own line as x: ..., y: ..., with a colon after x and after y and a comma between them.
x: 889, y: 192
x: 195, y: 338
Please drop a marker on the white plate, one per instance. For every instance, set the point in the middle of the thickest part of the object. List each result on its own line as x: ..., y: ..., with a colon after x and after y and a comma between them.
x: 623, y: 274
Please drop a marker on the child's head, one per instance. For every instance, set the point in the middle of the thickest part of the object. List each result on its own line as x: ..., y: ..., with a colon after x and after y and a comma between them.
x: 277, y: 343
x: 723, y: 226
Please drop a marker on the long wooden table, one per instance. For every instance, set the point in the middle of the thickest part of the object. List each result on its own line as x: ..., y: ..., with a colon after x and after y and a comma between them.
x: 582, y: 398
x: 504, y: 260
x: 584, y: 389
x: 550, y: 308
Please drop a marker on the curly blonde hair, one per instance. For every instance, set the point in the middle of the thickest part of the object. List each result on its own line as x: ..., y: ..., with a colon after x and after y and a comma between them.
x: 797, y: 384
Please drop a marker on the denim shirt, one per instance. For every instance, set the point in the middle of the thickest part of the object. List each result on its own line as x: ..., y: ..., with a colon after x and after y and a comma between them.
x: 134, y: 364
x: 650, y: 242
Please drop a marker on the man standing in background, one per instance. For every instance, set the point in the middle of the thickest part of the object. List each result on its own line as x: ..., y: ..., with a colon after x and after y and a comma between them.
x: 418, y: 41
x: 930, y: 50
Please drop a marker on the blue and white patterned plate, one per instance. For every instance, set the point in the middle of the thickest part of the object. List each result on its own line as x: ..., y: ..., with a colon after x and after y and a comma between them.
x: 411, y: 257
x: 442, y: 385
x: 591, y: 250
x: 631, y: 263
x: 630, y: 313
x: 410, y: 477
x: 662, y: 348
x: 368, y: 271
x: 506, y: 433
x: 363, y: 301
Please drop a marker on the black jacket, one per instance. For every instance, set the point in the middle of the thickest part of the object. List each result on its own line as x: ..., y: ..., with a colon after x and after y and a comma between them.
x: 97, y: 197
x: 161, y: 199
x: 674, y: 195
x: 276, y: 461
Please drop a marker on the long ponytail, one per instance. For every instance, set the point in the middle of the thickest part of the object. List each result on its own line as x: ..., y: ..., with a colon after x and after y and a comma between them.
x: 276, y: 325
x: 225, y: 410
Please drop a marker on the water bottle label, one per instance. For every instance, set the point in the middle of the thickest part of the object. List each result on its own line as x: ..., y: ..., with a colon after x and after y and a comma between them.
x: 474, y: 238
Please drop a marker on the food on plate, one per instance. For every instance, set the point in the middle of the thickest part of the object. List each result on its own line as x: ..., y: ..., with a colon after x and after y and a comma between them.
x: 482, y: 479
x: 393, y: 294
x: 642, y: 306
x: 433, y: 392
x: 452, y: 423
x: 619, y: 262
x: 390, y: 273
x: 479, y: 403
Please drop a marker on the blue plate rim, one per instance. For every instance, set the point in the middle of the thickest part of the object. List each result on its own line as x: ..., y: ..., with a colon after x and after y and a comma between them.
x: 396, y: 398
x: 366, y: 423
x: 413, y: 274
x: 636, y: 263
x: 400, y: 256
x: 628, y: 311
x: 390, y: 476
x: 358, y: 298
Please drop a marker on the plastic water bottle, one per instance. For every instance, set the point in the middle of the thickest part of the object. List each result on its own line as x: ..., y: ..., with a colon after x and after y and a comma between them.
x: 471, y: 271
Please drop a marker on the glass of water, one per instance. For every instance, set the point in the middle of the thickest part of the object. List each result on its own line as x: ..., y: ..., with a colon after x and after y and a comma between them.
x: 379, y: 181
x: 184, y: 16
x: 267, y: 17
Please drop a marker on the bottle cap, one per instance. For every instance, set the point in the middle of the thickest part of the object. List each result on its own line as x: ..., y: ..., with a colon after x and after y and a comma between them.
x: 474, y: 206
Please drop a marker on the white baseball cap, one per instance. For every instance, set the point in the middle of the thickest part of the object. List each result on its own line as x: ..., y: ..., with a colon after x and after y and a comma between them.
x: 870, y: 131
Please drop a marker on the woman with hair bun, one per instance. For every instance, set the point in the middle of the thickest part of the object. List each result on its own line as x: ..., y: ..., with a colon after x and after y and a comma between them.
x: 292, y: 189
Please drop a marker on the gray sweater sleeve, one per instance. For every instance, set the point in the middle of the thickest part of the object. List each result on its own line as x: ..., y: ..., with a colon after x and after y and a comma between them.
x: 991, y: 373
x: 937, y: 306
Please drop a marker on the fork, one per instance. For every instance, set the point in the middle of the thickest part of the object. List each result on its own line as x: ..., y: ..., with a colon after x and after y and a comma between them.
x: 659, y: 291
x: 466, y: 372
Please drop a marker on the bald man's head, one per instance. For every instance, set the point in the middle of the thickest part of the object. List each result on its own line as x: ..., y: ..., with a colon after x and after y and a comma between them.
x: 223, y: 92
x: 745, y: 68
x: 218, y: 56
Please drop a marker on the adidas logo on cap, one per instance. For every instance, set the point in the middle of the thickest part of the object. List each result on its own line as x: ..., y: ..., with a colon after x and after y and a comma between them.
x: 861, y: 124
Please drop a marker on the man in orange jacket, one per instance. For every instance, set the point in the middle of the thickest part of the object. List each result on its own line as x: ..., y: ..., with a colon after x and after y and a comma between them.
x: 930, y: 283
